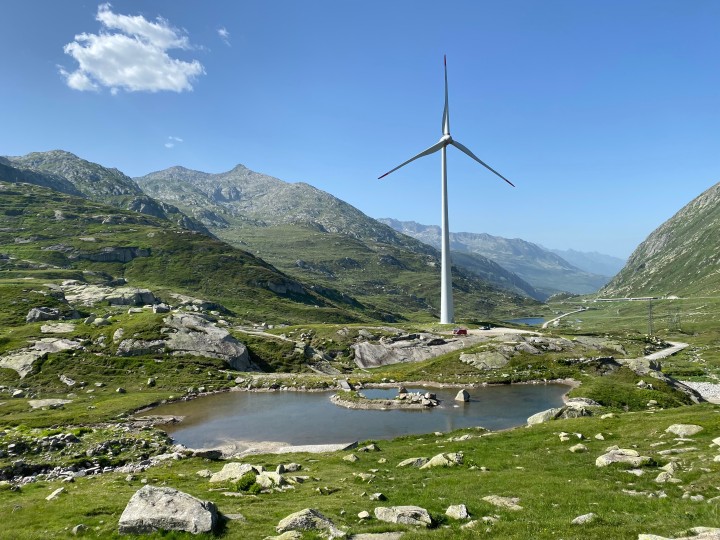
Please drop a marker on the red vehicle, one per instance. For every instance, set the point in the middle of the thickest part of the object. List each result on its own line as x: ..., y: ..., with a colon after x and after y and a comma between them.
x: 460, y: 331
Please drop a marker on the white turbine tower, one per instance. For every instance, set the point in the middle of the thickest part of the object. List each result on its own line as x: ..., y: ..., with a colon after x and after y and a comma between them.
x: 447, y: 315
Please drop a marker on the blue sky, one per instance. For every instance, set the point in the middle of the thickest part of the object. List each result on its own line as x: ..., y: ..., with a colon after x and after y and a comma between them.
x: 605, y: 114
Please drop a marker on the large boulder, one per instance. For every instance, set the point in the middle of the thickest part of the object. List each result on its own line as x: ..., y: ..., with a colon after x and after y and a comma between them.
x: 166, y: 509
x: 544, y: 416
x: 234, y: 471
x: 42, y: 314
x: 444, y: 460
x: 622, y: 455
x: 485, y: 360
x: 197, y: 336
x: 684, y: 430
x: 309, y: 520
x: 405, y: 515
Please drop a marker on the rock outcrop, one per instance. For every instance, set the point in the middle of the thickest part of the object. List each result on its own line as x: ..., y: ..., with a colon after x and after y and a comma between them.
x: 405, y: 515
x: 309, y: 520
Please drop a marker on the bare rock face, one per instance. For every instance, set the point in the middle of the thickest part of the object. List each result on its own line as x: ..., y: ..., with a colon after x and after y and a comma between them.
x: 622, y: 455
x: 684, y: 430
x: 409, y: 348
x: 485, y: 360
x: 235, y: 471
x: 166, y: 509
x: 197, y: 336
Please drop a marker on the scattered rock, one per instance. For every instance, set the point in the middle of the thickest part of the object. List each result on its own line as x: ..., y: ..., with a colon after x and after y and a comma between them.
x: 578, y: 448
x: 153, y: 509
x: 364, y: 515
x: 509, y: 503
x: 622, y: 455
x: 79, y: 529
x: 444, y: 460
x: 585, y: 518
x: 684, y: 430
x: 544, y: 416
x: 457, y: 511
x: 413, y: 462
x: 406, y: 515
x: 235, y: 471
x: 42, y: 314
x: 55, y: 494
x: 352, y: 458
x: 308, y: 520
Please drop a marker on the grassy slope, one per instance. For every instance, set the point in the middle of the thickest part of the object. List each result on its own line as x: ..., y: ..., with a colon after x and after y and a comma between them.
x: 554, y: 486
x: 182, y: 261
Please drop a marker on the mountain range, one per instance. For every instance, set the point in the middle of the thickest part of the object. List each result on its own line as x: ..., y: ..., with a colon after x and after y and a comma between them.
x: 547, y: 272
x: 321, y: 251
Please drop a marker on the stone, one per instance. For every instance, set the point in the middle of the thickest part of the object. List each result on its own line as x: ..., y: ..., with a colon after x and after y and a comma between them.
x: 51, y: 403
x: 444, y: 460
x: 235, y: 471
x: 352, y: 458
x: 508, y: 503
x: 485, y: 360
x: 663, y: 477
x: 377, y: 497
x: 42, y: 314
x: 57, y: 328
x: 578, y: 448
x: 289, y: 535
x: 18, y: 393
x: 405, y: 515
x: 161, y: 308
x: 55, y: 494
x: 79, y: 529
x: 413, y: 462
x: 364, y: 515
x: 462, y: 395
x: 153, y: 509
x: 622, y: 455
x: 544, y: 416
x: 457, y: 511
x: 684, y: 430
x: 197, y: 336
x: 308, y: 520
x: 585, y: 518
x: 268, y: 480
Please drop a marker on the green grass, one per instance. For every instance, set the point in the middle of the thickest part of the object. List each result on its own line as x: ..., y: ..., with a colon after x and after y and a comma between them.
x: 553, y: 484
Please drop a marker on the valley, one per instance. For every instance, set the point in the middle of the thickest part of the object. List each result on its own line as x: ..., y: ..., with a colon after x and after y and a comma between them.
x: 118, y: 296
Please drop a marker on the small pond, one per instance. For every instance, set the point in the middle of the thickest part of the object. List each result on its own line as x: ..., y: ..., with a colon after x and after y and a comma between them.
x: 300, y: 418
x: 530, y: 321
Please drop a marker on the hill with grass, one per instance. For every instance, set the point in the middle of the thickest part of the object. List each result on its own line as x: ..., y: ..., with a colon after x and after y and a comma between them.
x: 547, y: 272
x: 50, y: 235
x: 66, y: 172
x: 315, y: 237
x: 679, y: 258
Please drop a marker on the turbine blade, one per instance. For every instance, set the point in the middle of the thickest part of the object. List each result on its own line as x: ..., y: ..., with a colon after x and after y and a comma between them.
x: 446, y: 110
x: 434, y: 148
x: 481, y: 162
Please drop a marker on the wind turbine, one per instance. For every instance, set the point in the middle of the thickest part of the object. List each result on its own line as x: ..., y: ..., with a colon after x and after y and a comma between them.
x: 447, y: 314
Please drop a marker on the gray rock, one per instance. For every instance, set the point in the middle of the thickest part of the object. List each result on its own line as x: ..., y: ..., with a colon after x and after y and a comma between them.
x: 622, y: 455
x: 57, y: 328
x: 462, y: 395
x: 309, y: 520
x: 405, y: 515
x: 457, y: 511
x: 42, y: 314
x: 235, y: 471
x: 585, y: 518
x: 268, y: 480
x: 578, y: 448
x: 444, y: 460
x: 55, y: 494
x: 544, y: 416
x: 140, y: 347
x: 161, y: 308
x: 684, y: 430
x: 413, y: 462
x: 485, y: 360
x: 153, y: 509
x: 197, y: 336
x: 509, y: 503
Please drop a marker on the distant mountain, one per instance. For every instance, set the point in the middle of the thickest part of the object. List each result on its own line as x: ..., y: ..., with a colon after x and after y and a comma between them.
x: 66, y: 172
x: 681, y: 257
x: 316, y: 237
x: 544, y: 270
x: 593, y: 262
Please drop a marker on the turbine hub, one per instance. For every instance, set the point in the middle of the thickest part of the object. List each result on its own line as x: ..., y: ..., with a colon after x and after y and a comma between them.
x: 447, y: 139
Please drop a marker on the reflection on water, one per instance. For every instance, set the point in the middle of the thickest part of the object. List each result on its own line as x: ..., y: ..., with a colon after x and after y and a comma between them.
x: 299, y: 418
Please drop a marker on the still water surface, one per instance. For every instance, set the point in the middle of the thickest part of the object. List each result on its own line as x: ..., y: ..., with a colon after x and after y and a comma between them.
x: 530, y: 321
x: 300, y: 418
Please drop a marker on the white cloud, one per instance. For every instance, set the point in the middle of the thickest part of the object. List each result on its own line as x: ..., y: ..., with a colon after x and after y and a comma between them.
x: 224, y: 35
x: 171, y: 141
x: 130, y: 53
